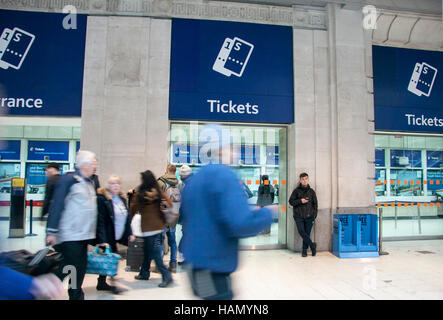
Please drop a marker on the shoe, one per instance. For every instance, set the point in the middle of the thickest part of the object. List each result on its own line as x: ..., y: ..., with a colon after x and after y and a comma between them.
x: 314, y: 249
x: 164, y: 284
x: 304, y: 254
x: 106, y: 287
x: 141, y: 277
x: 180, y: 263
x: 173, y: 267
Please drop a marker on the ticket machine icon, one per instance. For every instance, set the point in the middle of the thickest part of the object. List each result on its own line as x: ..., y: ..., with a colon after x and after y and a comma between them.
x: 14, y: 46
x: 422, y: 79
x: 233, y: 57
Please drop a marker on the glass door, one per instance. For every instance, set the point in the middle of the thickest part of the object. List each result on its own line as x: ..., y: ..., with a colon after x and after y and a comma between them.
x: 258, y: 151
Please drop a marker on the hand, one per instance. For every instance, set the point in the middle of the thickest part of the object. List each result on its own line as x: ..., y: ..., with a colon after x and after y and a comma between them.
x: 46, y: 286
x: 104, y: 244
x: 50, y: 240
x: 131, y: 238
x: 303, y: 200
x: 130, y: 191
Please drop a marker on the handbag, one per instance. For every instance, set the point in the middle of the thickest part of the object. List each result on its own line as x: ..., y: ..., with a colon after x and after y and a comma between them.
x: 44, y: 261
x: 136, y: 225
x: 168, y: 212
x: 102, y: 263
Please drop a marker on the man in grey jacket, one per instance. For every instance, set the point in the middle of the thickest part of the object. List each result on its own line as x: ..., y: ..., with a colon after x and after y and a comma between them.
x: 72, y: 221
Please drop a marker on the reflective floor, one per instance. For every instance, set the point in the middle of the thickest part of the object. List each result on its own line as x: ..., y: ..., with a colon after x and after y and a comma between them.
x: 412, y: 270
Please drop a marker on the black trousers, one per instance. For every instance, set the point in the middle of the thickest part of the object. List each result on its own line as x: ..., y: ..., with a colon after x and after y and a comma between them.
x: 75, y: 259
x: 304, y: 227
x: 209, y: 285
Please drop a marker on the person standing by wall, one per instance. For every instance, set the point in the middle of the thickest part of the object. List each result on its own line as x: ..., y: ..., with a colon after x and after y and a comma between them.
x: 305, y: 206
x: 53, y: 173
x: 72, y: 220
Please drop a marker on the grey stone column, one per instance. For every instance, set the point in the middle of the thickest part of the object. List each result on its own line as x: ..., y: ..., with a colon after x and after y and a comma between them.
x: 125, y: 95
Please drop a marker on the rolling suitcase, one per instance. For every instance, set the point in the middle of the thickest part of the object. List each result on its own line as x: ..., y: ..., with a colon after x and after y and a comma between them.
x: 135, y: 255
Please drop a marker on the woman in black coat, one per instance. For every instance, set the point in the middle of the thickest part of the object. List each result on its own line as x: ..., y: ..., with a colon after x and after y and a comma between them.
x: 113, y: 222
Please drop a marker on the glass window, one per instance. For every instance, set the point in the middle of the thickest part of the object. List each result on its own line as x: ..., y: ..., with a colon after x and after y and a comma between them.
x: 257, y: 150
x: 412, y: 167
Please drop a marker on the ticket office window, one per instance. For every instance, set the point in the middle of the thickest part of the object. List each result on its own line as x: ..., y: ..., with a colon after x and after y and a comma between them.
x: 257, y: 151
x: 36, y: 177
x: 408, y: 167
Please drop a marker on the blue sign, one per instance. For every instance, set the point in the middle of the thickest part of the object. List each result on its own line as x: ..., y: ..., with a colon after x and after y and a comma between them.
x: 379, y: 157
x: 434, y: 159
x: 41, y: 63
x: 77, y: 146
x: 408, y: 89
x: 10, y: 149
x: 230, y: 71
x: 35, y: 175
x: 55, y: 150
x: 434, y: 175
x: 404, y: 158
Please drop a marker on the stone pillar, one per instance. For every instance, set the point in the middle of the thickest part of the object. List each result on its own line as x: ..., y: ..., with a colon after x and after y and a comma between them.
x: 331, y: 138
x: 125, y: 95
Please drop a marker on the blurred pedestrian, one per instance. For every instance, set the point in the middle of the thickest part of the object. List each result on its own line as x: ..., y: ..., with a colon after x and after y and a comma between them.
x: 72, y: 221
x: 216, y: 215
x: 185, y: 174
x: 113, y: 223
x: 169, y: 184
x: 146, y: 201
x: 18, y: 286
x: 53, y: 174
x: 305, y: 206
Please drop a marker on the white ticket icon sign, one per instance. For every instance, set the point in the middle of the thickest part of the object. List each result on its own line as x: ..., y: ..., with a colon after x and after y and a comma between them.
x: 233, y: 57
x: 422, y: 79
x: 14, y: 46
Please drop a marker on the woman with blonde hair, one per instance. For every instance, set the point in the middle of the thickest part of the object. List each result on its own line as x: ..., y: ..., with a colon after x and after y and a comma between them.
x: 113, y: 222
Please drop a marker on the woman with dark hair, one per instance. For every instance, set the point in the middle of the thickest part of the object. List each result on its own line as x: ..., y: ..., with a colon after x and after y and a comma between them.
x: 146, y: 201
x: 265, y: 196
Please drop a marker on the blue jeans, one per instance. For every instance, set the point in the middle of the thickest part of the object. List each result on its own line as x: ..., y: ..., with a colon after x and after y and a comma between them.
x: 171, y: 243
x: 152, y: 250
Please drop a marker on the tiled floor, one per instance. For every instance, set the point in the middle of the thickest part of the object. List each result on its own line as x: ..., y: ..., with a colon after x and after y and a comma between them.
x: 281, y: 274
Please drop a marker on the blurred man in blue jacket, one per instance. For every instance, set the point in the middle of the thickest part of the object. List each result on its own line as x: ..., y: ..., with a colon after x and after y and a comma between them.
x: 215, y: 214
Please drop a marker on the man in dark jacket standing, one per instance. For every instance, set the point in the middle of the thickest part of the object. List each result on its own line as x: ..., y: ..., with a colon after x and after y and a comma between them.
x: 53, y: 173
x: 305, y: 206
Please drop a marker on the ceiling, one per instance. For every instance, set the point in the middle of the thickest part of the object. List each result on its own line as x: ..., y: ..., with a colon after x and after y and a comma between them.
x: 417, y: 6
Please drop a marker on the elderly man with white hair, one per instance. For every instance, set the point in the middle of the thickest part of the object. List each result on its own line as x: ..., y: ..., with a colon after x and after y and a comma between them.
x: 72, y: 221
